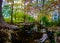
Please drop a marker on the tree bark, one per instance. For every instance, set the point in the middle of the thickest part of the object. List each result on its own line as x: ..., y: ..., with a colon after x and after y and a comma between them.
x: 2, y: 22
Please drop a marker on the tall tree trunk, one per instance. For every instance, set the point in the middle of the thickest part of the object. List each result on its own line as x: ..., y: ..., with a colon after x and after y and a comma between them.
x: 59, y: 8
x: 2, y: 22
x: 1, y: 16
x: 12, y: 3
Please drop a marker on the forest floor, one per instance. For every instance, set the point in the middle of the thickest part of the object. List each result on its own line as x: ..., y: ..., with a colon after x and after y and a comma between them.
x: 15, y: 36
